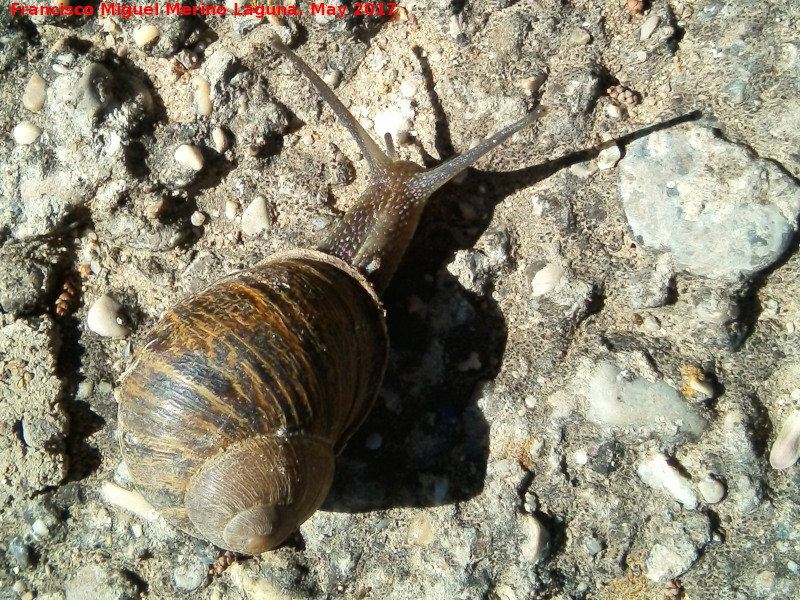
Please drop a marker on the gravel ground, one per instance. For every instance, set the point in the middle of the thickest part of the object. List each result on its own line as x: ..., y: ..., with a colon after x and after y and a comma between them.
x: 593, y: 387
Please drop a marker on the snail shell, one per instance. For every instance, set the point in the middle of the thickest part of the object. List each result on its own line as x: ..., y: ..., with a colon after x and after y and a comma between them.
x: 250, y: 382
x: 241, y: 396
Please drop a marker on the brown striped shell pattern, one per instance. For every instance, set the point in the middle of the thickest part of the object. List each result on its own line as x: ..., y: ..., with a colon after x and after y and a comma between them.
x: 242, y: 395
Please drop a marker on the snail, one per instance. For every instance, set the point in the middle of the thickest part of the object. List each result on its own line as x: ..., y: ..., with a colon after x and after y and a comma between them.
x: 241, y: 396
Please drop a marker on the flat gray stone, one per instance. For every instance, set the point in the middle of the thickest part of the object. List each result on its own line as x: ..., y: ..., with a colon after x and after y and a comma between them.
x: 720, y: 211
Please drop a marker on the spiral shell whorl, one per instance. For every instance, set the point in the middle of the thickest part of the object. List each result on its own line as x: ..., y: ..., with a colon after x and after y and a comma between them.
x: 293, y: 349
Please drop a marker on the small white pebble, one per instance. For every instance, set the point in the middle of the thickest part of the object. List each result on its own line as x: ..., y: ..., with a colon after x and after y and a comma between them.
x: 220, y: 139
x: 608, y: 157
x: 26, y: 133
x: 408, y: 89
x: 202, y: 96
x: 614, y: 111
x: 546, y: 279
x: 711, y: 490
x: 657, y: 473
x: 128, y: 500
x: 189, y: 156
x: 333, y: 78
x: 648, y: 27
x: 255, y: 217
x: 145, y: 35
x: 786, y: 449
x: 198, y: 218
x: 40, y: 530
x: 534, y: 548
x: 231, y: 210
x: 33, y: 98
x: 580, y: 457
x: 104, y: 318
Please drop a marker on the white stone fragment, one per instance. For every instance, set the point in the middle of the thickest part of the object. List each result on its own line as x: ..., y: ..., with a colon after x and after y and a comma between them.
x: 202, y: 96
x: 666, y: 563
x: 546, y: 279
x: 614, y: 111
x: 618, y: 401
x: 534, y: 548
x: 648, y: 27
x: 608, y: 157
x: 333, y: 78
x: 198, y: 218
x: 255, y: 217
x: 231, y: 209
x: 408, y: 89
x: 396, y: 121
x: 711, y: 489
x: 26, y: 133
x: 190, y: 156
x: 786, y: 448
x: 145, y: 35
x: 657, y: 473
x: 104, y: 318
x: 128, y: 500
x: 33, y: 97
x: 220, y: 139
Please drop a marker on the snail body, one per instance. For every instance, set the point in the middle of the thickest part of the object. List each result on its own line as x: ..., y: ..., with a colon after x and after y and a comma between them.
x: 242, y: 395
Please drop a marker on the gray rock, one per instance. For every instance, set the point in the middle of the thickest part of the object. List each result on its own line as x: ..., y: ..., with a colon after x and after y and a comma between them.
x: 191, y: 575
x: 720, y: 211
x: 19, y: 552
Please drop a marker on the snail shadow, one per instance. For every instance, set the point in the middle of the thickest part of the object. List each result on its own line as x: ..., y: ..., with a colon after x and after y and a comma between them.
x: 426, y: 442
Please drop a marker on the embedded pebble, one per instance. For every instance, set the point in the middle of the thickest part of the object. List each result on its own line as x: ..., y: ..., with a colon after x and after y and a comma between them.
x: 408, y: 89
x: 608, y: 157
x: 648, y: 27
x: 220, y: 139
x: 202, y: 96
x: 546, y: 279
x: 537, y: 539
x: 614, y: 111
x: 786, y: 448
x: 666, y: 562
x: 190, y: 156
x: 104, y: 318
x: 33, y: 98
x: 256, y: 217
x: 619, y: 401
x: 198, y: 218
x: 26, y: 133
x: 420, y: 532
x: 657, y: 473
x: 40, y: 530
x: 145, y: 35
x: 190, y: 576
x: 333, y: 78
x: 128, y: 500
x: 231, y: 209
x: 688, y: 192
x: 712, y: 490
x: 579, y: 37
x: 20, y: 552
